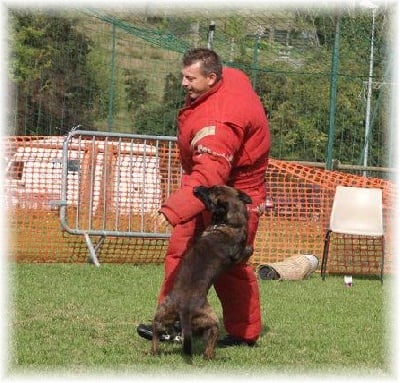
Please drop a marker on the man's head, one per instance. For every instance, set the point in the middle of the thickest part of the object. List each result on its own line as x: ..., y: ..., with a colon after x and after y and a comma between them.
x: 201, y: 69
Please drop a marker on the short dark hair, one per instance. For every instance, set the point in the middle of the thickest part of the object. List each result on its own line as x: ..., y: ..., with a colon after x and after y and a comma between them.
x: 209, y: 59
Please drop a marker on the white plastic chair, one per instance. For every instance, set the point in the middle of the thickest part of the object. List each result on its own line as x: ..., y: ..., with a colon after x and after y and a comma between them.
x: 355, y: 211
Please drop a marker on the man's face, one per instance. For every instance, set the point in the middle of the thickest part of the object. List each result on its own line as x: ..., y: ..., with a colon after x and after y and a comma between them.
x: 194, y: 82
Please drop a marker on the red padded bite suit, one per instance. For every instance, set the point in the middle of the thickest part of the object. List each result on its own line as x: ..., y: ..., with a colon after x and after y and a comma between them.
x: 224, y: 139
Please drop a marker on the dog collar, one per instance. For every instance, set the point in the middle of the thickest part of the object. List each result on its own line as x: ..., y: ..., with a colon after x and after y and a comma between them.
x: 215, y: 227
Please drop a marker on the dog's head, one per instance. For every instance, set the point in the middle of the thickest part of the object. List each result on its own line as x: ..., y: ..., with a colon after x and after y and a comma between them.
x: 227, y: 204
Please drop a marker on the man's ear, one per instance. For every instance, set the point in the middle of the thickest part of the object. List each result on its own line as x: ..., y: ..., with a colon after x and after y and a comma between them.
x: 212, y: 79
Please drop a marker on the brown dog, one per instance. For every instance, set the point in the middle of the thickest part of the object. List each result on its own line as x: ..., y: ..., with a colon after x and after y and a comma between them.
x: 220, y: 246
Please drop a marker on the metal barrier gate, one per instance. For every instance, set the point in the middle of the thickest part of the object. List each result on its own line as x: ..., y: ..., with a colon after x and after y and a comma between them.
x: 113, y: 184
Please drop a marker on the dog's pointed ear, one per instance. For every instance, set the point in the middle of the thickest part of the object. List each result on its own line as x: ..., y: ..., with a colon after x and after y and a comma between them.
x: 244, y: 197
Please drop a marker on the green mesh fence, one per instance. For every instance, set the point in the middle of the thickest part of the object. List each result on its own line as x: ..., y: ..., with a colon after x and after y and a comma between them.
x: 120, y: 72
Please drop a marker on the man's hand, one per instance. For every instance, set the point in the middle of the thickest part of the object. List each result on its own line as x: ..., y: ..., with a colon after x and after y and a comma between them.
x: 160, y: 220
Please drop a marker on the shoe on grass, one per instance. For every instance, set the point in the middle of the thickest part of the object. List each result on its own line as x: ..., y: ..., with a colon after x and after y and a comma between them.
x: 230, y: 341
x: 146, y: 332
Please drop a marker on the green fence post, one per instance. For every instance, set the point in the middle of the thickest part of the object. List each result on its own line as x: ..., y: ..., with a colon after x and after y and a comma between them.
x: 259, y: 33
x: 332, y: 97
x: 112, y: 82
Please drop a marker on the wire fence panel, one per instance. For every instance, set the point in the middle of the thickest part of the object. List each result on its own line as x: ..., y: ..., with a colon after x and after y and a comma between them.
x: 113, y: 185
x: 120, y: 72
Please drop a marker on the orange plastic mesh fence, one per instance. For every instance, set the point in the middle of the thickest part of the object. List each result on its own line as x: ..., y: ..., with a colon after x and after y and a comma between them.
x: 302, y: 197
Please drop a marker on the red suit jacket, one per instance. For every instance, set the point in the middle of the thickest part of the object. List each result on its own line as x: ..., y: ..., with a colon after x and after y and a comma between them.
x: 223, y: 138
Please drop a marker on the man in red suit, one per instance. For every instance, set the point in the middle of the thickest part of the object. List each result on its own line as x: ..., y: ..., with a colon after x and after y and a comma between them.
x: 224, y: 139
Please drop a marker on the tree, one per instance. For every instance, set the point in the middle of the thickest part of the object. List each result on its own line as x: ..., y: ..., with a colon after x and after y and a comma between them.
x: 53, y: 88
x: 136, y: 91
x: 160, y: 118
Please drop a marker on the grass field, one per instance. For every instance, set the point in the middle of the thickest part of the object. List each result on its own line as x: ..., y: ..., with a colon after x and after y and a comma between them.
x: 68, y: 318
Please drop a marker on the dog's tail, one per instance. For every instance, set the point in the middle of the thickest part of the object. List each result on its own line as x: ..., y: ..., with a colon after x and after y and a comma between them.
x: 186, y: 323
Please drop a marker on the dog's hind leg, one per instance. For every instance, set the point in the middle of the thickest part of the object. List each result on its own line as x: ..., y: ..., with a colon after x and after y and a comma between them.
x: 208, y: 321
x: 211, y: 336
x: 155, y: 338
x: 186, y: 323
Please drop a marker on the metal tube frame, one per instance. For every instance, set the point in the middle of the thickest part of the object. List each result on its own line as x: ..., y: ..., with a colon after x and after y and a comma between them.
x: 63, y: 203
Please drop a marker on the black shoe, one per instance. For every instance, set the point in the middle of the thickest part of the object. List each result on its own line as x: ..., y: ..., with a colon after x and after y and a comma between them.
x: 230, y: 341
x: 146, y: 332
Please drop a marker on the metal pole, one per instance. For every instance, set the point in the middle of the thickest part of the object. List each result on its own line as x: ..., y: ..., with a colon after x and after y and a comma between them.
x: 259, y: 33
x: 369, y: 95
x: 112, y: 82
x: 333, y: 91
x: 211, y: 30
